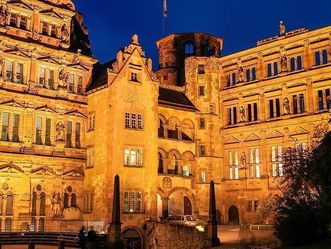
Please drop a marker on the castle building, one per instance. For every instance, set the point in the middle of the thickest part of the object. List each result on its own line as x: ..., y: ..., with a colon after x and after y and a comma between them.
x: 70, y: 124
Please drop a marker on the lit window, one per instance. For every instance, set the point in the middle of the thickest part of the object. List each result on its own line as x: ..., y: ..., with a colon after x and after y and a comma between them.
x: 276, y: 160
x: 203, y: 177
x: 233, y: 165
x: 80, y: 85
x: 89, y: 157
x: 9, y: 71
x: 254, y: 163
x: 38, y: 130
x: 132, y: 202
x: 133, y: 157
x: 186, y: 170
x: 19, y: 73
x: 253, y: 206
x: 42, y: 76
x: 71, y: 80
x: 201, y: 91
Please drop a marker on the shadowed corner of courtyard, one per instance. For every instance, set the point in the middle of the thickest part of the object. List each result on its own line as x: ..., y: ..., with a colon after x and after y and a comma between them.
x: 323, y: 245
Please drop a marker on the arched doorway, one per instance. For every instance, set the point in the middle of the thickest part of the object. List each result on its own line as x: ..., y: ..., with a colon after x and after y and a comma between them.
x: 187, y: 206
x: 132, y: 239
x: 233, y: 215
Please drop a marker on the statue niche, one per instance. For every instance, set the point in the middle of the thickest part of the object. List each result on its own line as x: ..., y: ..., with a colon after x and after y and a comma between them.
x: 60, y: 131
x: 56, y: 204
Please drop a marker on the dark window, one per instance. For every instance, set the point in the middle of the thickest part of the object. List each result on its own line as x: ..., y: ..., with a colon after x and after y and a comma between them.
x: 48, y: 132
x: 73, y: 200
x: 134, y: 77
x: 69, y: 134
x: 271, y: 108
x: 160, y: 167
x: 269, y: 69
x: 248, y: 75
x: 202, y: 123
x: 189, y: 49
x: 42, y: 203
x: 41, y: 227
x: 230, y: 116
x: 250, y: 118
x: 80, y: 85
x: 302, y: 103
x: 253, y: 74
x: 324, y: 56
x: 5, y: 126
x: 201, y: 69
x: 320, y: 100
x: 234, y: 115
x: 66, y: 200
x: 161, y: 128
x: 299, y: 62
x: 277, y: 108
x: 255, y: 112
x: 38, y: 130
x: 292, y: 63
x: 9, y: 204
x: 53, y: 31
x: 295, y: 104
x: 44, y: 28
x: 13, y: 20
x: 71, y: 83
x: 202, y: 150
x: 34, y: 204
x: 275, y: 68
x: 16, y: 126
x: 201, y: 91
x: 77, y: 136
x: 23, y: 22
x: 233, y: 75
x: 317, y: 58
x: 8, y: 224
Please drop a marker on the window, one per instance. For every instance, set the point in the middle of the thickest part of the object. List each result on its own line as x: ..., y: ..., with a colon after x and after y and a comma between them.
x: 233, y: 79
x: 201, y: 69
x: 49, y: 78
x: 42, y: 76
x: 272, y: 69
x: 252, y: 112
x: 48, y: 132
x: 251, y: 74
x: 276, y: 160
x: 201, y: 91
x: 321, y: 57
x: 23, y: 22
x: 160, y: 166
x: 9, y: 71
x: 77, y: 136
x: 274, y: 108
x: 134, y: 77
x: 13, y: 20
x: 90, y: 157
x: 133, y: 157
x: 71, y: 83
x: 88, y: 200
x: 324, y: 99
x: 132, y: 202
x: 161, y: 132
x: 186, y: 170
x: 232, y: 115
x: 298, y: 103
x: 173, y: 166
x: 188, y: 49
x: 91, y: 122
x: 42, y: 203
x: 133, y: 121
x: 16, y: 128
x: 80, y: 85
x: 254, y: 163
x: 296, y: 63
x: 44, y: 30
x: 41, y: 226
x: 5, y: 126
x: 202, y: 123
x: 9, y: 203
x: 202, y: 150
x: 8, y: 224
x: 34, y: 203
x: 38, y: 130
x: 19, y: 73
x: 53, y: 31
x: 70, y: 198
x: 140, y: 121
x: 233, y: 165
x: 203, y: 177
x: 69, y: 134
x: 253, y: 206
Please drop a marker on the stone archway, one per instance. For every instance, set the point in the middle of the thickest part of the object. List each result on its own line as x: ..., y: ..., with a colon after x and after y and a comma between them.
x: 132, y: 239
x: 233, y: 215
x: 181, y: 201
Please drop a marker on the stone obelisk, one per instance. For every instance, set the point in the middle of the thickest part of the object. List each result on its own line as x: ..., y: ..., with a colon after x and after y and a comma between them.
x: 212, y: 222
x: 115, y: 237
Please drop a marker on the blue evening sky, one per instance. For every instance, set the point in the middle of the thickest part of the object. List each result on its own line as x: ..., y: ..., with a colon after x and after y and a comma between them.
x: 240, y: 23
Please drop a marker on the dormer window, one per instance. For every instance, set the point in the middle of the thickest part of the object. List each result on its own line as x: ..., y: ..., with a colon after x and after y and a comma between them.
x: 23, y: 23
x: 44, y: 30
x: 13, y: 20
x: 134, y: 77
x: 53, y: 31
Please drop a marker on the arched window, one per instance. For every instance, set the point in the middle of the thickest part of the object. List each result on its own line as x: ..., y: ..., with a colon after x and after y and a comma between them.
x: 66, y: 200
x: 41, y: 227
x: 33, y: 224
x: 73, y: 200
x: 188, y: 49
x: 8, y: 224
x: 42, y: 203
x: 9, y: 204
x: 173, y: 169
x: 160, y: 168
x: 34, y: 203
x: 161, y: 128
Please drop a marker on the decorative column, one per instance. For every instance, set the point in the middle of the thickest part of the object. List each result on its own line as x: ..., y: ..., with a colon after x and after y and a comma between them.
x: 115, y: 237
x: 212, y: 222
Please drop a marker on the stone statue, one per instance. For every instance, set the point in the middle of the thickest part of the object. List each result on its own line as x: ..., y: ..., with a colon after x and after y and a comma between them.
x: 56, y: 204
x: 135, y: 39
x: 64, y: 33
x: 282, y: 28
x: 63, y: 78
x: 283, y: 63
x: 60, y: 131
x: 286, y: 106
x: 243, y: 161
x: 242, y: 114
x: 3, y: 15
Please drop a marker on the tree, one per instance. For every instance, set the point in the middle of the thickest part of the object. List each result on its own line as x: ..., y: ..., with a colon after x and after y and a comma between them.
x: 298, y: 211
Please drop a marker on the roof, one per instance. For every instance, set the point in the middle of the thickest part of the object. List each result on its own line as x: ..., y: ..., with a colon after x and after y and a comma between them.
x: 175, y: 99
x: 100, y: 75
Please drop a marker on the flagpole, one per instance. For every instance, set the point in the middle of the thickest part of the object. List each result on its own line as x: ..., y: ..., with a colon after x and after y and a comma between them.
x: 165, y: 15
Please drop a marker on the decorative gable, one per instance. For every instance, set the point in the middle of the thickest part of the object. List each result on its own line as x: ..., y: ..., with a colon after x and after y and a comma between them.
x: 76, y: 113
x: 49, y: 59
x: 74, y: 173
x: 275, y: 134
x: 44, y: 170
x: 12, y: 103
x: 232, y: 140
x: 252, y: 137
x: 17, y: 51
x: 78, y: 66
x: 10, y: 167
x: 299, y: 131
x: 20, y: 3
x: 46, y: 108
x: 51, y: 12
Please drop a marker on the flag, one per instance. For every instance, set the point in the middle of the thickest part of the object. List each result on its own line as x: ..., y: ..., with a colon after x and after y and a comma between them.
x: 165, y: 9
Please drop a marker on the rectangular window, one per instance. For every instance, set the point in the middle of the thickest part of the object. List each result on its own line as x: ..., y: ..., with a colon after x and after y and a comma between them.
x: 277, y: 108
x: 201, y: 91
x: 88, y: 200
x: 272, y: 69
x: 324, y: 56
x: 201, y: 69
x: 9, y: 71
x: 16, y: 128
x: 69, y: 134
x: 252, y: 112
x: 321, y: 57
x: 248, y: 75
x: 295, y: 104
x: 276, y: 161
x: 19, y: 73
x: 254, y: 163
x: 23, y: 22
x: 48, y: 132
x: 253, y: 206
x: 186, y: 170
x: 202, y: 150
x: 302, y: 103
x: 44, y: 28
x: 38, y: 130
x: 233, y: 78
x: 133, y: 121
x: 233, y: 165
x: 77, y: 136
x: 42, y: 76
x: 71, y: 83
x: 91, y: 122
x: 133, y: 157
x: 89, y: 157
x: 203, y: 177
x: 132, y: 202
x: 271, y: 108
x: 251, y: 74
x: 53, y: 31
x: 134, y: 77
x: 5, y: 126
x: 140, y: 121
x: 13, y: 20
x: 296, y: 63
x: 127, y: 120
x: 202, y: 123
x: 320, y: 100
x: 50, y: 80
x: 275, y: 68
x: 80, y: 85
x: 232, y: 115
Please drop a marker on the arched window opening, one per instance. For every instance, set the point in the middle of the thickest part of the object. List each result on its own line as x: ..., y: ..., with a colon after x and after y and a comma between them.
x: 33, y: 224
x: 173, y: 169
x: 66, y: 200
x: 9, y: 204
x: 188, y: 49
x: 41, y: 227
x: 173, y: 132
x: 73, y: 200
x: 34, y: 203
x: 160, y: 168
x: 42, y: 203
x: 161, y: 128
